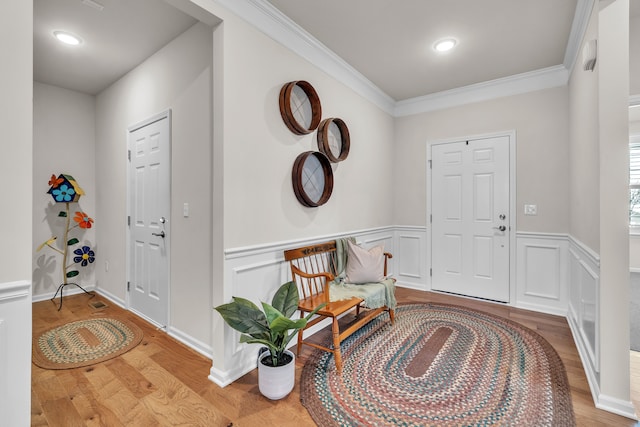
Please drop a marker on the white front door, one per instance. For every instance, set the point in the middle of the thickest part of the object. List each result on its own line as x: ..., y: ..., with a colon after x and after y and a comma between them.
x: 470, y: 217
x: 149, y: 222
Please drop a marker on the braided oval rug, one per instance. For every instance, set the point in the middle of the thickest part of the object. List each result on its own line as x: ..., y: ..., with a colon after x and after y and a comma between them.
x: 84, y: 342
x: 439, y: 365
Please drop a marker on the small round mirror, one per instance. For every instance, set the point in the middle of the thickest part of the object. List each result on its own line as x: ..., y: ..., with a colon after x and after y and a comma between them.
x: 312, y: 179
x: 300, y: 107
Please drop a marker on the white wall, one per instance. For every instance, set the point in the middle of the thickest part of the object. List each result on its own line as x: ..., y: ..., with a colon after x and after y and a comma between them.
x: 254, y: 155
x: 540, y: 122
x: 599, y: 209
x: 63, y: 142
x: 613, y: 96
x: 259, y: 150
x: 16, y: 110
x: 584, y: 194
x: 177, y: 77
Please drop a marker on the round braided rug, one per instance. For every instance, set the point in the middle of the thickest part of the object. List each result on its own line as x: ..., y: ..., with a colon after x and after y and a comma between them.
x: 84, y: 343
x: 439, y: 365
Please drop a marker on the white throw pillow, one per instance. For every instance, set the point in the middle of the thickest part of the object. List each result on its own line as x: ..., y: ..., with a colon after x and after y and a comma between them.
x: 364, y: 266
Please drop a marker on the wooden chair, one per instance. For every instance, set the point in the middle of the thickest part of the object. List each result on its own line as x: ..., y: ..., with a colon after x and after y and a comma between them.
x: 313, y: 268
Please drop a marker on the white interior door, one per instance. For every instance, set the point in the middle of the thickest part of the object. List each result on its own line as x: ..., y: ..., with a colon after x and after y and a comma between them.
x: 470, y: 218
x: 149, y: 224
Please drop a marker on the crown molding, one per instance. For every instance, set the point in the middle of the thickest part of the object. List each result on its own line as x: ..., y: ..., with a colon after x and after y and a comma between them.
x: 513, y: 85
x: 265, y: 17
x: 578, y: 30
x: 634, y: 100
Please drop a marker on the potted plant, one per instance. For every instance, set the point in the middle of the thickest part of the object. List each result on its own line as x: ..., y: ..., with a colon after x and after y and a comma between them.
x: 274, y: 329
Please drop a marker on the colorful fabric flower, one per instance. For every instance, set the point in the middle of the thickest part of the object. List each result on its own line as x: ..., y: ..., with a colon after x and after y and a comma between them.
x: 83, y: 220
x: 85, y: 256
x: 55, y: 181
x: 63, y: 194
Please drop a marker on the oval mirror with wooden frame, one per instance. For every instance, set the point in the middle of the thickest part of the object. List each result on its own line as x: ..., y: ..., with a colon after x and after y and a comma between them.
x: 312, y: 179
x: 300, y: 107
x: 333, y: 139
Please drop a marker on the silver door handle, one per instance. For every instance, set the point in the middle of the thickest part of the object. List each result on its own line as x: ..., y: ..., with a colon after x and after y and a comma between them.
x: 160, y: 234
x: 500, y: 228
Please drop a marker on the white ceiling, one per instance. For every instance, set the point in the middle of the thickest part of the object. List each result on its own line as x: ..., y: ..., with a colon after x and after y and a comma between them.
x: 116, y: 39
x: 388, y: 42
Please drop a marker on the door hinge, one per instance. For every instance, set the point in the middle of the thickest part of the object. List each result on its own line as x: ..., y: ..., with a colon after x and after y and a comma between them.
x: 129, y: 155
x: 430, y: 219
x: 431, y: 272
x: 128, y: 286
x: 430, y: 164
x: 128, y: 220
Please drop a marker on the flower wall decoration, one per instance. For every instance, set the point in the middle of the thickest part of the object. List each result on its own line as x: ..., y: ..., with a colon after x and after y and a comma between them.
x: 65, y: 189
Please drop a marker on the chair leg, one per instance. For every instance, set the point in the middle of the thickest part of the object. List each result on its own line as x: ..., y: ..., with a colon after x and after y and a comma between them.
x: 336, y: 344
x: 299, y: 348
x: 392, y: 315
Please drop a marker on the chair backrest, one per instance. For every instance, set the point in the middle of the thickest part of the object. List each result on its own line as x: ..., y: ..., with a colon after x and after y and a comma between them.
x: 312, y: 266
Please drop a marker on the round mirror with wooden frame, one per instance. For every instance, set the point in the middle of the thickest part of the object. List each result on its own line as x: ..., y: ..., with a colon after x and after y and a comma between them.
x: 300, y: 107
x: 312, y: 179
x: 333, y: 139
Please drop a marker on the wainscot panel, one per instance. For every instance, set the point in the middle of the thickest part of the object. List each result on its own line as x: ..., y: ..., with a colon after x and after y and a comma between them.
x: 542, y: 272
x: 412, y: 258
x: 584, y: 305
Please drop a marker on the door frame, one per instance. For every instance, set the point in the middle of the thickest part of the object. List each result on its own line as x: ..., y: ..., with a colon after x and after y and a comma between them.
x: 512, y: 203
x: 152, y: 119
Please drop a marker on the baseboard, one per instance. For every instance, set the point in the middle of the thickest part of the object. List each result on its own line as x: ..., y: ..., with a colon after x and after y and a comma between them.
x: 601, y: 401
x: 410, y: 286
x: 224, y: 378
x: 542, y: 309
x: 114, y: 299
x: 68, y: 290
x: 592, y: 378
x: 617, y: 406
x: 191, y: 342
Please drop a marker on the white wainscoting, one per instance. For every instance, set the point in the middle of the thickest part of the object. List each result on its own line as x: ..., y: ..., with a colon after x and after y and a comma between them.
x: 542, y: 272
x: 555, y: 274
x: 256, y: 273
x: 583, y: 313
x: 412, y: 257
x: 15, y: 353
x: 542, y: 275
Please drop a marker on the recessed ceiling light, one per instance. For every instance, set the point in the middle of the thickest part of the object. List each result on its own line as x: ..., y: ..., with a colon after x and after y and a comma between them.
x: 67, y: 38
x: 444, y: 45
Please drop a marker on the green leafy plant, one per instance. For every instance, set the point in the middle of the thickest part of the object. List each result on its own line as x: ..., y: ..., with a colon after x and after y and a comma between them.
x: 270, y: 327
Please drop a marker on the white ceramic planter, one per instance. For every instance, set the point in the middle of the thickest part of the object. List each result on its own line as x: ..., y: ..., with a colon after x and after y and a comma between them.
x: 276, y: 383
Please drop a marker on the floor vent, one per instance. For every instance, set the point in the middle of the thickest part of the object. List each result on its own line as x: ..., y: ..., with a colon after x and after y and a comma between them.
x: 97, y: 304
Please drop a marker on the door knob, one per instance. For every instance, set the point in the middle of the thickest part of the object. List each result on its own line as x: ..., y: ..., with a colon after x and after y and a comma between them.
x: 500, y: 228
x: 502, y: 217
x: 160, y: 234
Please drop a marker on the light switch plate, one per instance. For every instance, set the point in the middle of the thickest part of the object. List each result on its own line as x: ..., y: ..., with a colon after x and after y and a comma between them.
x: 531, y: 209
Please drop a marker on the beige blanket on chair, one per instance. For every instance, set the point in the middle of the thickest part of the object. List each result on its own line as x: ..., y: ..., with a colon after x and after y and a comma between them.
x: 378, y: 294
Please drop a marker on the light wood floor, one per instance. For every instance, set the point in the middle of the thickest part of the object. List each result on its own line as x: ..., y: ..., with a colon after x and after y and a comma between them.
x: 162, y: 382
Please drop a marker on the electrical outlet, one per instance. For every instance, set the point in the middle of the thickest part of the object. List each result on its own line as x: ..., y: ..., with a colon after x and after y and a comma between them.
x: 530, y: 209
